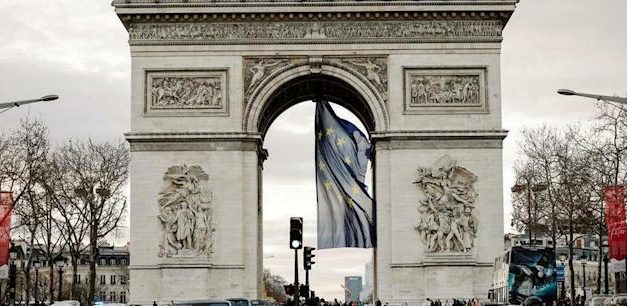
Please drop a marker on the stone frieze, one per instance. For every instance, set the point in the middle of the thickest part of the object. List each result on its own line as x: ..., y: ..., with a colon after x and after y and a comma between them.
x: 326, y: 31
x: 170, y: 92
x: 445, y: 90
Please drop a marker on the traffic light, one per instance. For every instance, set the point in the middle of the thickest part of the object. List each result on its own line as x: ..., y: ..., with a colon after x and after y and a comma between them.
x: 296, y: 233
x: 307, y: 256
x: 289, y: 289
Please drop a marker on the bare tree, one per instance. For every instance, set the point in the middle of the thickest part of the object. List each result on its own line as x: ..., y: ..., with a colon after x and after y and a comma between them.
x: 23, y: 160
x: 607, y: 147
x: 72, y: 225
x: 274, y: 286
x: 97, y: 174
x: 556, y: 159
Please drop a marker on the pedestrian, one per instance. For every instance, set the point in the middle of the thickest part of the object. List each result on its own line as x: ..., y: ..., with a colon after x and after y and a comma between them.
x: 377, y: 303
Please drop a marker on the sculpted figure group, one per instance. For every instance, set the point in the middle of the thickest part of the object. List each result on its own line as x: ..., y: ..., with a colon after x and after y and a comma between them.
x: 315, y: 30
x: 445, y: 90
x: 446, y: 221
x: 185, y: 213
x: 186, y: 92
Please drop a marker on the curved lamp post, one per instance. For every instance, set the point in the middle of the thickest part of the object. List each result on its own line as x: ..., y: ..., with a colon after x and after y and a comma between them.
x: 7, y: 105
x: 569, y: 92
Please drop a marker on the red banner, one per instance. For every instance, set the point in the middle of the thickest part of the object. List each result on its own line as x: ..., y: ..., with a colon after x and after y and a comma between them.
x: 6, y: 205
x: 614, y: 197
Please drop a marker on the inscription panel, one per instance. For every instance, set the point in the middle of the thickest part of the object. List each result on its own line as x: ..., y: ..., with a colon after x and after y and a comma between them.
x: 435, y: 90
x: 186, y: 93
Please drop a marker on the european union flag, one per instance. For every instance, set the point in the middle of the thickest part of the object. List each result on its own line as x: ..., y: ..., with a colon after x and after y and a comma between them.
x: 345, y: 210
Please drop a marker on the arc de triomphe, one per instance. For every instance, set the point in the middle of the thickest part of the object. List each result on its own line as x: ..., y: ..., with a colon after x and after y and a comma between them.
x: 210, y: 76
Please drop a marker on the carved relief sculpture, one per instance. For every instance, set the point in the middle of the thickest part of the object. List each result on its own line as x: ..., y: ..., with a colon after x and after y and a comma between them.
x: 445, y: 90
x: 185, y: 213
x: 447, y: 200
x: 180, y: 91
x: 374, y: 69
x: 333, y: 32
x: 260, y: 70
x: 442, y: 90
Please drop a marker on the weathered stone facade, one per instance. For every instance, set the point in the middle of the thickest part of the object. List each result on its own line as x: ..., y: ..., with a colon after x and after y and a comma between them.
x: 209, y: 77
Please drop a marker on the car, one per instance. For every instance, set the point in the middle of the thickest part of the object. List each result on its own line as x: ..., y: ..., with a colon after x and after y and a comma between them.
x: 239, y: 301
x: 202, y: 303
x: 620, y: 300
x: 597, y: 300
x: 66, y: 303
x: 261, y: 303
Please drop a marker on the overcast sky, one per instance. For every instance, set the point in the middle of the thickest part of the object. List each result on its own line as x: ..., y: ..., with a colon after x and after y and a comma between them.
x: 78, y: 50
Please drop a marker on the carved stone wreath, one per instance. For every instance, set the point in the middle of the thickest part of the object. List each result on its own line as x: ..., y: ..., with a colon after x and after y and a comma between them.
x: 185, y: 213
x: 447, y: 200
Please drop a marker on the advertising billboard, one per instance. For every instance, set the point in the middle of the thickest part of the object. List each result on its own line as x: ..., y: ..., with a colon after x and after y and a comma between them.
x: 532, y: 275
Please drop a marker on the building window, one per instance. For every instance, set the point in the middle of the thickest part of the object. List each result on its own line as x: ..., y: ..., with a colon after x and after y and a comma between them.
x: 103, y: 261
x: 103, y: 279
x: 113, y: 297
x: 112, y: 279
x: 103, y: 295
x: 77, y: 278
x: 123, y: 262
x: 122, y: 296
x: 113, y: 262
x: 123, y: 279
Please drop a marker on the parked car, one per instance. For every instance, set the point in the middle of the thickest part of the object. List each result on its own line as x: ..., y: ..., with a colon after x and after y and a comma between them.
x: 260, y: 303
x: 66, y: 303
x: 203, y: 303
x: 597, y: 300
x: 239, y: 302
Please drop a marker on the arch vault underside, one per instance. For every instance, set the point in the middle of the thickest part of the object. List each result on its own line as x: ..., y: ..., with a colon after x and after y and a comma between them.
x: 210, y: 77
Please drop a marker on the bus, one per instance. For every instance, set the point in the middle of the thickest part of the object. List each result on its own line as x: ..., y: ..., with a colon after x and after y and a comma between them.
x: 522, y: 273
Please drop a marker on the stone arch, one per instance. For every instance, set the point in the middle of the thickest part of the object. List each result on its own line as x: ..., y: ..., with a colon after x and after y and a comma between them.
x: 286, y: 87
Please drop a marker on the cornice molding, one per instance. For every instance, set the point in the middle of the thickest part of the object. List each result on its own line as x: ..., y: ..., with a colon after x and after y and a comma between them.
x: 439, y: 134
x: 299, y: 3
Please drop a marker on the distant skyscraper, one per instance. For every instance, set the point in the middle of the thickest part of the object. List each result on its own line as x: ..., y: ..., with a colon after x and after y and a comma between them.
x: 353, y: 284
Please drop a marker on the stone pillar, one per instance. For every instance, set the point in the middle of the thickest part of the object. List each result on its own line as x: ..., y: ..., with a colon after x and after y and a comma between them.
x: 215, y: 176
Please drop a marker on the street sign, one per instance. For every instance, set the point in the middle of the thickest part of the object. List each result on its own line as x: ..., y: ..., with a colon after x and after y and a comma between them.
x: 559, y: 271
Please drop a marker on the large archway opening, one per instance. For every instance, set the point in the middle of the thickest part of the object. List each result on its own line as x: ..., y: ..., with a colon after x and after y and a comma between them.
x: 289, y: 183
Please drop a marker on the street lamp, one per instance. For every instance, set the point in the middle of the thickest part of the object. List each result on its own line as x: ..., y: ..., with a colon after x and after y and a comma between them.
x: 8, y: 105
x: 12, y: 271
x: 36, y: 264
x: 606, y: 259
x: 518, y: 188
x: 583, y: 261
x: 563, y: 258
x: 60, y: 261
x: 568, y: 92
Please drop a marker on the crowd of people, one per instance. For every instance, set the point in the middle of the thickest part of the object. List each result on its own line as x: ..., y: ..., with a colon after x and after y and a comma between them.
x: 452, y: 302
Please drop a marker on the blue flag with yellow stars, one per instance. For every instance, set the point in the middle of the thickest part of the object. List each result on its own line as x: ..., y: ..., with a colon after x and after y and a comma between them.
x: 345, y: 210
